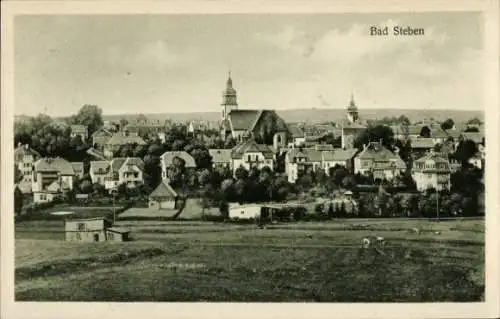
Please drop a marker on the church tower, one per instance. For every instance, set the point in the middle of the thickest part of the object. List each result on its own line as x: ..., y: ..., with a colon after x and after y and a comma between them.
x: 352, y: 111
x: 229, y: 102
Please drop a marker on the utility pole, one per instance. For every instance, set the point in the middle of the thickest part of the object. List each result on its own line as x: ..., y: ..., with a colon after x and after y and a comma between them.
x: 437, y: 204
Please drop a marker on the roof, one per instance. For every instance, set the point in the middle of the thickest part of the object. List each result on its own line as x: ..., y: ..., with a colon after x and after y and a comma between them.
x: 242, y: 120
x: 121, y: 139
x: 77, y: 166
x: 422, y: 142
x: 251, y: 146
x: 102, y: 131
x: 78, y: 128
x: 96, y: 153
x: 438, y: 133
x: 119, y: 230
x: 97, y: 166
x: 453, y: 133
x: 247, y: 120
x: 168, y: 157
x: 220, y: 155
x: 56, y: 186
x: 54, y: 164
x: 339, y: 154
x: 379, y: 153
x: 313, y: 155
x: 24, y: 150
x: 476, y: 137
x: 117, y: 163
x: 431, y: 163
x: 295, y: 131
x: 163, y: 190
x: 324, y: 147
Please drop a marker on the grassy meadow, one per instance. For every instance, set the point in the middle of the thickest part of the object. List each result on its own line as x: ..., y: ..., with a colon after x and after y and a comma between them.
x: 204, y: 261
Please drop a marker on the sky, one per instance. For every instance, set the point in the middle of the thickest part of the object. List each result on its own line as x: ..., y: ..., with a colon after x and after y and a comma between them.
x: 179, y: 63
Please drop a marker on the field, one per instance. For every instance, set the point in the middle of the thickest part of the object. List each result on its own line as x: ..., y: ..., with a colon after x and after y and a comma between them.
x: 308, y: 261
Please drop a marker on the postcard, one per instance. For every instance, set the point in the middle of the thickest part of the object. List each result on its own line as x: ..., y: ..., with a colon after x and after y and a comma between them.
x: 240, y: 159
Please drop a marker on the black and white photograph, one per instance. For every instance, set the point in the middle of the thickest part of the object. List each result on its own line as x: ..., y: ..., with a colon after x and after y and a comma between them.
x: 250, y: 157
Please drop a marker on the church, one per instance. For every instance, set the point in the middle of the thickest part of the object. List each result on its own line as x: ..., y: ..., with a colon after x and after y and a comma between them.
x: 352, y: 126
x: 264, y: 125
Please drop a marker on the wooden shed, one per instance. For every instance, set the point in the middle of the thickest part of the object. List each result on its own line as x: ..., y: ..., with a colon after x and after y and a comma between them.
x: 164, y: 197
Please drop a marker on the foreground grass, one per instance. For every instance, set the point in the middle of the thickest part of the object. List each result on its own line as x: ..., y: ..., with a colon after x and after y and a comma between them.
x: 240, y: 263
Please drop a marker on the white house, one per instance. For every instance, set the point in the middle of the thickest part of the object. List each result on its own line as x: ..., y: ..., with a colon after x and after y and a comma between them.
x: 24, y: 158
x: 431, y: 171
x: 250, y: 211
x: 47, y: 171
x: 120, y: 170
x: 248, y: 154
x: 380, y: 161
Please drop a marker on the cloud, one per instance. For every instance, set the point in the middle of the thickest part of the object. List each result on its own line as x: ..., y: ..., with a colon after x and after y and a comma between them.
x: 157, y: 54
x: 290, y: 39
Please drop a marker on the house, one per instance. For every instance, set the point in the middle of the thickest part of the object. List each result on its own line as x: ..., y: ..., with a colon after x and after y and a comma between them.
x: 431, y: 171
x: 298, y: 161
x: 221, y: 158
x: 144, y: 126
x: 351, y: 127
x: 93, y: 230
x: 297, y: 134
x: 100, y: 138
x: 421, y: 145
x: 47, y: 171
x: 341, y: 157
x: 79, y: 130
x: 78, y: 169
x: 164, y: 197
x: 249, y: 154
x: 249, y: 211
x: 99, y: 171
x: 380, y: 161
x: 120, y: 139
x: 118, y: 171
x: 24, y: 157
x: 439, y: 136
x: 167, y: 160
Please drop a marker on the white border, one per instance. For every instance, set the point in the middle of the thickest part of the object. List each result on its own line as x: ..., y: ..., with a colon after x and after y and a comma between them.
x: 488, y: 309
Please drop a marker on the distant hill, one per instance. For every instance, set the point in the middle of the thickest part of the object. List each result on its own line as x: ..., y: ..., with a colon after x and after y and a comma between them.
x: 318, y: 115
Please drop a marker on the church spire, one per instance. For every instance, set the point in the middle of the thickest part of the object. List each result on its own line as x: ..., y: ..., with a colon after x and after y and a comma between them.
x: 229, y: 98
x: 352, y: 110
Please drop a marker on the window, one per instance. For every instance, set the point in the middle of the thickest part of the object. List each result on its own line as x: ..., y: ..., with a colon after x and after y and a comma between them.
x: 81, y: 226
x: 279, y: 138
x: 111, y: 236
x: 43, y: 197
x: 249, y: 158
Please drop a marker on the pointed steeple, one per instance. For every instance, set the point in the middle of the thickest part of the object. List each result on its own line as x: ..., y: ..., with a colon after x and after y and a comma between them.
x: 229, y: 83
x: 352, y: 110
x: 229, y: 98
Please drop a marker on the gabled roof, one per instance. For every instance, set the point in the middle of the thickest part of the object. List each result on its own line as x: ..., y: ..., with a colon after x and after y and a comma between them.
x: 57, y: 164
x: 220, y: 155
x: 57, y: 186
x: 77, y: 167
x: 453, y: 133
x: 168, y: 157
x: 339, y: 154
x: 379, y: 153
x: 117, y: 163
x: 102, y: 131
x: 431, y: 163
x: 121, y: 139
x: 242, y: 120
x: 24, y: 150
x: 476, y: 137
x: 78, y: 128
x: 324, y: 147
x: 97, y: 167
x: 422, y: 142
x: 136, y: 161
x: 313, y: 155
x: 438, y: 133
x: 295, y: 131
x: 250, y: 146
x: 163, y: 190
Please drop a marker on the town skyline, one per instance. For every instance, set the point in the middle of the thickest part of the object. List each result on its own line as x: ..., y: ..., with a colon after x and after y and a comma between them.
x: 165, y: 64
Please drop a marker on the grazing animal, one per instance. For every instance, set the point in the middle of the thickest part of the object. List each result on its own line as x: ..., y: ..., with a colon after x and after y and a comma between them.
x: 381, y: 241
x: 365, y: 242
x: 437, y: 233
x: 416, y: 231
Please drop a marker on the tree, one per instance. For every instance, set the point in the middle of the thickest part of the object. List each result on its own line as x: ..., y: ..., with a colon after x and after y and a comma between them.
x: 375, y: 134
x: 465, y: 150
x: 98, y: 189
x: 123, y: 123
x: 202, y: 157
x: 152, y: 171
x: 474, y: 121
x: 241, y: 173
x: 85, y: 186
x: 425, y: 132
x: 448, y: 124
x: 18, y: 200
x: 177, y: 171
x: 155, y: 149
x: 338, y: 173
x: 471, y: 130
x: 89, y: 116
x: 349, y: 182
x: 204, y: 177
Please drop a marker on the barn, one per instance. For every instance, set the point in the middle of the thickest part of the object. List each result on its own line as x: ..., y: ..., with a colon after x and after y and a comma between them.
x: 164, y: 197
x: 250, y: 211
x: 93, y: 230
